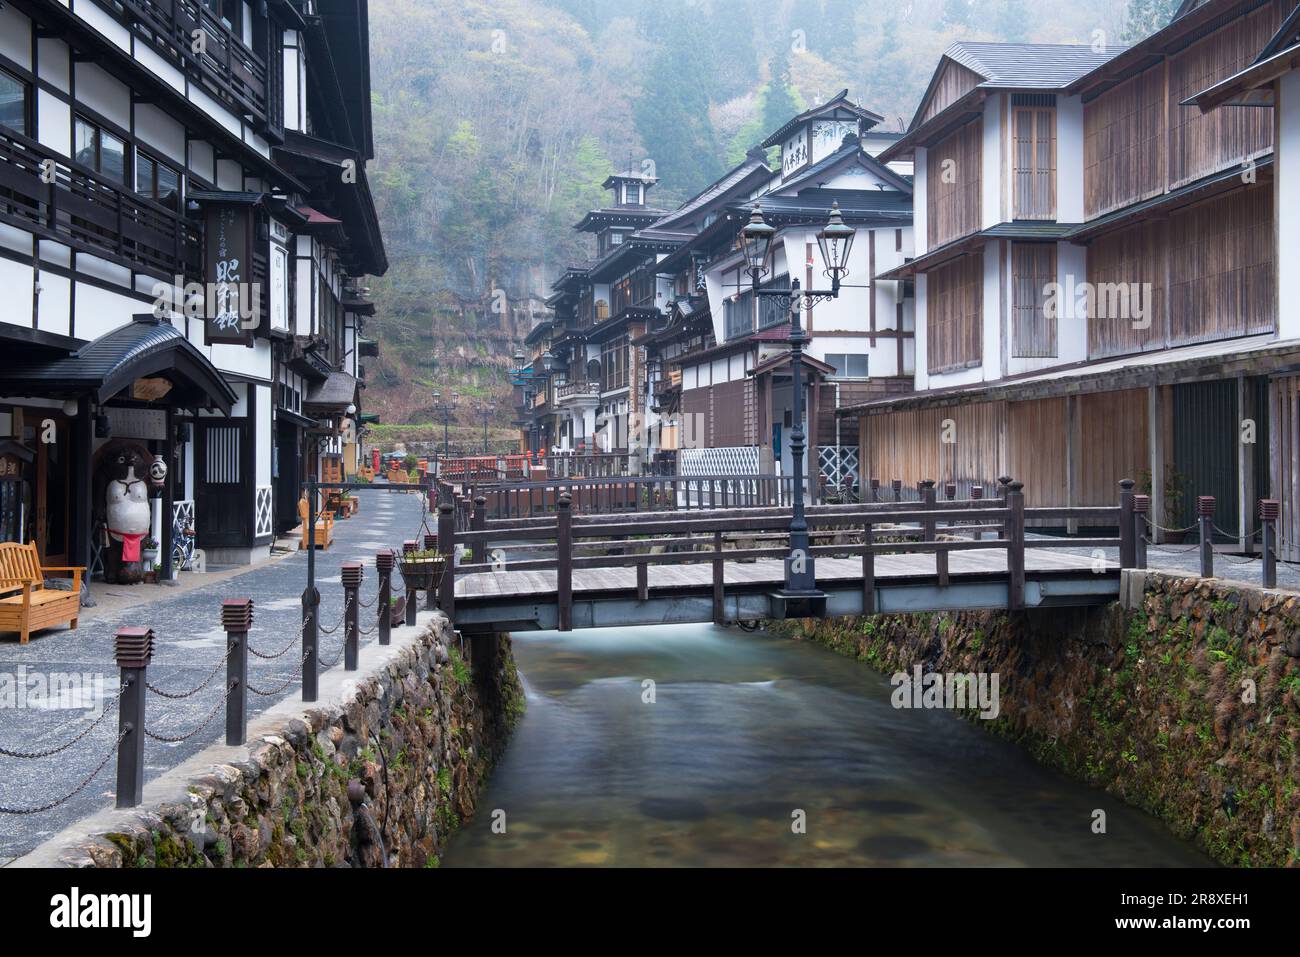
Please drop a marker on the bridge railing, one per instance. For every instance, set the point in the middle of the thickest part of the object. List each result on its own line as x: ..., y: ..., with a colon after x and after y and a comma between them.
x: 562, y: 541
x: 629, y: 493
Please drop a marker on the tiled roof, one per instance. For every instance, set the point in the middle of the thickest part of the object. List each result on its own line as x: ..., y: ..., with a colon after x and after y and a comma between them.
x: 1035, y: 66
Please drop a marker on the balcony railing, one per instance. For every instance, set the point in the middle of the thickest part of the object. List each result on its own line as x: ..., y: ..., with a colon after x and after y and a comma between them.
x: 91, y: 213
x: 231, y: 70
x: 570, y: 389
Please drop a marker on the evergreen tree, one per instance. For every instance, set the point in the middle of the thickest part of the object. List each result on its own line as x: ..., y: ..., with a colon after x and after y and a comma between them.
x: 1145, y: 17
x: 778, y: 102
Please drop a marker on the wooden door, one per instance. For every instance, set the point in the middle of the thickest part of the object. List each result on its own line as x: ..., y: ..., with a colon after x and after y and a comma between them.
x: 222, y: 492
x: 53, y: 441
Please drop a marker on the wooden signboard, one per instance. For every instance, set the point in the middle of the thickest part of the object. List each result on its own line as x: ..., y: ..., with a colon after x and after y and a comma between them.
x: 228, y: 275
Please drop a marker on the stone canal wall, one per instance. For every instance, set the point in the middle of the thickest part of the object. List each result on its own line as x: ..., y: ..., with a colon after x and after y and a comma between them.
x: 1184, y: 700
x: 381, y: 770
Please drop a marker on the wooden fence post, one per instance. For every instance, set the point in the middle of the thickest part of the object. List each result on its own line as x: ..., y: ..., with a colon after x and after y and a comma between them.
x: 868, y: 569
x: 1127, y: 545
x: 446, y: 592
x: 719, y: 602
x: 384, y: 562
x: 1269, y: 510
x: 236, y: 619
x: 479, y: 523
x: 875, y: 490
x: 977, y: 495
x: 133, y: 649
x: 930, y: 529
x: 1003, y: 482
x: 350, y: 574
x: 412, y: 596
x: 1141, y: 508
x: 1015, y: 503
x: 564, y: 561
x: 1205, y: 519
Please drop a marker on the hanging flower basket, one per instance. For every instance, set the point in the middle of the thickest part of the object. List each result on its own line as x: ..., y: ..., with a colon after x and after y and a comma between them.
x: 422, y: 571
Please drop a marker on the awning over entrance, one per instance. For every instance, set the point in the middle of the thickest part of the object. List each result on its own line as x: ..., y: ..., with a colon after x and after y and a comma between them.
x: 333, y: 395
x: 147, y: 347
x: 783, y: 360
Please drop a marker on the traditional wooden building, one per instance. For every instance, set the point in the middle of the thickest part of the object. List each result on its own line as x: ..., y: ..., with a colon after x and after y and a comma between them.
x: 184, y: 224
x: 1096, y: 275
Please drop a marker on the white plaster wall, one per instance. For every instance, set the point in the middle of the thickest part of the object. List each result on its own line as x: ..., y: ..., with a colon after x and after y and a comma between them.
x: 991, y: 164
x: 16, y: 36
x: 991, y: 367
x: 16, y: 281
x: 1069, y: 159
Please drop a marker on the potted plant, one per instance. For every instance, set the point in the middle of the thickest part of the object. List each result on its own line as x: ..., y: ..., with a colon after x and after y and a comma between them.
x: 421, y: 570
x: 149, y: 552
x: 151, y: 573
x: 1174, y: 485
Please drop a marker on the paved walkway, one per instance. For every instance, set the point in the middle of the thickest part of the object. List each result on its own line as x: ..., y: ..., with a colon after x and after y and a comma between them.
x: 190, y: 644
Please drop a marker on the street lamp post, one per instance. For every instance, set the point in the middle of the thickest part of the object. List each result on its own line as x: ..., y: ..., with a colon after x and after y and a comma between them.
x: 445, y: 409
x: 834, y: 240
x: 486, y: 413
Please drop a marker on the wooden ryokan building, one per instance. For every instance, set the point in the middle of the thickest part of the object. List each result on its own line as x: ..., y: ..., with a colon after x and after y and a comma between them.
x: 1062, y: 176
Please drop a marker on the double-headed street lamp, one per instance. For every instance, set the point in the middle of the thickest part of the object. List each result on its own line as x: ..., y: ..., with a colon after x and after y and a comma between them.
x: 526, y: 375
x: 444, y: 409
x: 834, y: 240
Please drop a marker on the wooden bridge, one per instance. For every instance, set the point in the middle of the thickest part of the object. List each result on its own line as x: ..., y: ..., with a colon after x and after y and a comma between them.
x: 563, y: 571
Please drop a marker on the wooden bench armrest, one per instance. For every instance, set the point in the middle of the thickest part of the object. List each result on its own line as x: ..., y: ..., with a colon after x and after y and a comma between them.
x: 63, y: 568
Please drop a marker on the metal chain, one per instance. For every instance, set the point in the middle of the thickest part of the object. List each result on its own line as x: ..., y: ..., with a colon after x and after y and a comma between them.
x: 329, y: 631
x: 367, y: 632
x: 167, y: 739
x: 36, y: 755
x: 283, y: 651
x: 75, y: 791
x: 331, y: 662
x: 177, y: 696
x: 1178, y: 531
x: 367, y: 604
x: 271, y: 691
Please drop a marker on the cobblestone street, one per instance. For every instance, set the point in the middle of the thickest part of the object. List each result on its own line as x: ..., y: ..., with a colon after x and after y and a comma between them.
x: 189, y: 650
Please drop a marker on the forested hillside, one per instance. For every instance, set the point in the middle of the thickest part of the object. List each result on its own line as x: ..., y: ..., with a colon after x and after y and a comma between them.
x: 496, y: 121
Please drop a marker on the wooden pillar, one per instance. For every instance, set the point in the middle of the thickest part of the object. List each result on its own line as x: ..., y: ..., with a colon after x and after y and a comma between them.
x: 1247, y: 482
x: 1158, y: 452
x: 1071, y: 460
x: 83, y: 442
x: 564, y: 562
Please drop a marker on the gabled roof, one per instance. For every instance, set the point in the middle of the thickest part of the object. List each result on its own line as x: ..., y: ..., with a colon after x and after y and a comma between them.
x: 608, y: 216
x: 838, y: 104
x: 1253, y: 86
x: 753, y: 167
x: 1033, y: 66
x: 996, y: 66
x: 851, y: 151
x: 854, y: 204
x: 144, y: 347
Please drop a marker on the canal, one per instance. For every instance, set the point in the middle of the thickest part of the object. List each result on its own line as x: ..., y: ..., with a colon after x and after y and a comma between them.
x: 696, y: 745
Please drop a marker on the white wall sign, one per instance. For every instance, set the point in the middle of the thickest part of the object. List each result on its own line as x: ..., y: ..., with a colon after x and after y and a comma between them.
x: 794, y: 152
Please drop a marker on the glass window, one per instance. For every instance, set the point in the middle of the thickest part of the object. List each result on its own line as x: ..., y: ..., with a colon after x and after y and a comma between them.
x: 157, y: 181
x: 100, y: 150
x: 848, y: 365
x: 13, y: 103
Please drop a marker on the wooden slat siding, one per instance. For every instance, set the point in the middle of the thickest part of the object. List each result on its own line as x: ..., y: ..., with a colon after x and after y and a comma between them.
x: 731, y: 423
x: 1222, y: 278
x: 954, y: 82
x: 954, y: 207
x: 1203, y: 143
x: 1112, y: 443
x: 908, y: 445
x: 1137, y: 255
x: 1123, y: 144
x: 1033, y: 132
x: 1036, y: 446
x: 954, y: 314
x: 1284, y: 453
x: 1033, y: 268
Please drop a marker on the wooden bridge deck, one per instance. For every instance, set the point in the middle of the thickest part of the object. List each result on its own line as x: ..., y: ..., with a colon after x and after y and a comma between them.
x: 767, y: 573
x: 609, y: 596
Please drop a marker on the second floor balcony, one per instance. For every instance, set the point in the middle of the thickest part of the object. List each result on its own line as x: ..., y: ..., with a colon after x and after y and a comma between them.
x: 578, y: 394
x: 92, y: 213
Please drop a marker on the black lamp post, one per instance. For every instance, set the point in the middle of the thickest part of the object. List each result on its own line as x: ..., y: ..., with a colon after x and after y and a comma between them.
x: 486, y: 413
x: 445, y: 409
x: 835, y: 240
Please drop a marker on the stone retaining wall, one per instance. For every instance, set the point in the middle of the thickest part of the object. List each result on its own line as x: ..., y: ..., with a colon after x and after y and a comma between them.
x: 1151, y: 701
x: 380, y: 771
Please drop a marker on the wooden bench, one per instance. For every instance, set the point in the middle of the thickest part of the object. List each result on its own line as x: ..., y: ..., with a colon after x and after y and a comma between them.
x: 324, y: 536
x: 27, y: 605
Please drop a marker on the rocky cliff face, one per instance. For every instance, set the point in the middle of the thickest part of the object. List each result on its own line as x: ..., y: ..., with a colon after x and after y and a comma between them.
x: 1187, y: 705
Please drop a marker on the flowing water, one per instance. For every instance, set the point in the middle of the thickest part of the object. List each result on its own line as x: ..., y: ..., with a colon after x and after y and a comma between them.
x: 745, y: 732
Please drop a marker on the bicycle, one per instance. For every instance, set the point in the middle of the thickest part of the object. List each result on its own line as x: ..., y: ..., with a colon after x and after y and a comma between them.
x: 183, y: 547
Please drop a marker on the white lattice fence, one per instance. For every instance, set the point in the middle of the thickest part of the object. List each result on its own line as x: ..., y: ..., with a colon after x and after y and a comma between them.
x: 734, y: 460
x: 262, y: 524
x: 838, y: 462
